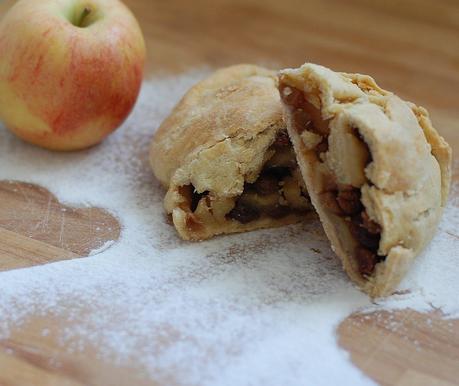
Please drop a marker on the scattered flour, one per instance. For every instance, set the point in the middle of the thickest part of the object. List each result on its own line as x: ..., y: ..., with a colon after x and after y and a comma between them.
x: 257, y: 308
x: 102, y: 248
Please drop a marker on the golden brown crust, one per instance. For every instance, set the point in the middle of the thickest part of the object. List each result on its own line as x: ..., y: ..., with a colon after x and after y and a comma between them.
x: 405, y: 184
x: 217, y: 139
x: 225, y: 106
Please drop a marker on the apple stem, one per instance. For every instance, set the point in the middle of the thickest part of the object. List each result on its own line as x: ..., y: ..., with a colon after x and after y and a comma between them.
x: 84, y: 15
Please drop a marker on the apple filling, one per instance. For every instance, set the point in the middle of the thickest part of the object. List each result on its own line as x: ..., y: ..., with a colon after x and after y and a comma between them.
x: 339, y: 160
x: 277, y: 192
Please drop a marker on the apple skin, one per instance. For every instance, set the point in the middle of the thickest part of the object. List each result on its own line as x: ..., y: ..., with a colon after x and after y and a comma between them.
x: 65, y: 87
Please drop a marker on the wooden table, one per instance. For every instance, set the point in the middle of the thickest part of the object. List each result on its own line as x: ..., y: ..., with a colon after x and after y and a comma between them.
x: 411, y: 47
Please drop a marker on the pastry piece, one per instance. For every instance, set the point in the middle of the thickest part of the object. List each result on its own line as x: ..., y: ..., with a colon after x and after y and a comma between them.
x: 225, y: 158
x: 376, y: 170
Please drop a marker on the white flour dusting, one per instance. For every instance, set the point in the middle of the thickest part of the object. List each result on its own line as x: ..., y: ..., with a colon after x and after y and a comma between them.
x: 102, y: 248
x: 257, y: 308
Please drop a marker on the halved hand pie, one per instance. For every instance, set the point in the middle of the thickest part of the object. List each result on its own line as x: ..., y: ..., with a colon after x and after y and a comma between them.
x: 226, y: 159
x: 376, y: 170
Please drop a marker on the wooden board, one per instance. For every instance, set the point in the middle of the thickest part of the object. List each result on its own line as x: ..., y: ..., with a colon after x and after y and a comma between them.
x: 411, y: 47
x: 36, y: 229
x: 403, y: 347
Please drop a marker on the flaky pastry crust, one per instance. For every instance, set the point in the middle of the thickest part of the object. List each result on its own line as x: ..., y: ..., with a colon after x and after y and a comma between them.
x: 379, y: 146
x: 215, y: 141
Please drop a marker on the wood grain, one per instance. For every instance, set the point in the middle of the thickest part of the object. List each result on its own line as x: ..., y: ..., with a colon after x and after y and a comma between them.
x: 18, y: 251
x: 31, y: 357
x: 403, y: 347
x: 47, y: 230
x: 410, y: 47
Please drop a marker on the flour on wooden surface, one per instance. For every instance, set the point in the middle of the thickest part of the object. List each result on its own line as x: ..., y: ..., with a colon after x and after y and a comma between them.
x: 257, y: 308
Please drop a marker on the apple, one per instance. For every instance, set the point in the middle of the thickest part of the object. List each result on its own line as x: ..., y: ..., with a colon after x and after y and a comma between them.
x: 70, y: 70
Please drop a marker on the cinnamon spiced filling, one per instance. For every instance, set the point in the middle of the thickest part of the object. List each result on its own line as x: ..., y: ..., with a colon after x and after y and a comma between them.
x: 341, y: 200
x: 276, y: 193
x: 347, y: 205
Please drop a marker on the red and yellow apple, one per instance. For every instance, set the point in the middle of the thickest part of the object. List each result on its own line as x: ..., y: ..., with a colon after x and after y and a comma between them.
x: 70, y: 70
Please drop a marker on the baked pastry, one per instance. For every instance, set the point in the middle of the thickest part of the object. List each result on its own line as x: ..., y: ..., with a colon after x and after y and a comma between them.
x: 376, y: 170
x: 225, y: 158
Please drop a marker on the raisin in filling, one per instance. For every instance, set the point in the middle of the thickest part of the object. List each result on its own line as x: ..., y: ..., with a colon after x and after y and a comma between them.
x: 263, y: 197
x: 346, y: 203
x: 276, y: 193
x: 343, y: 201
